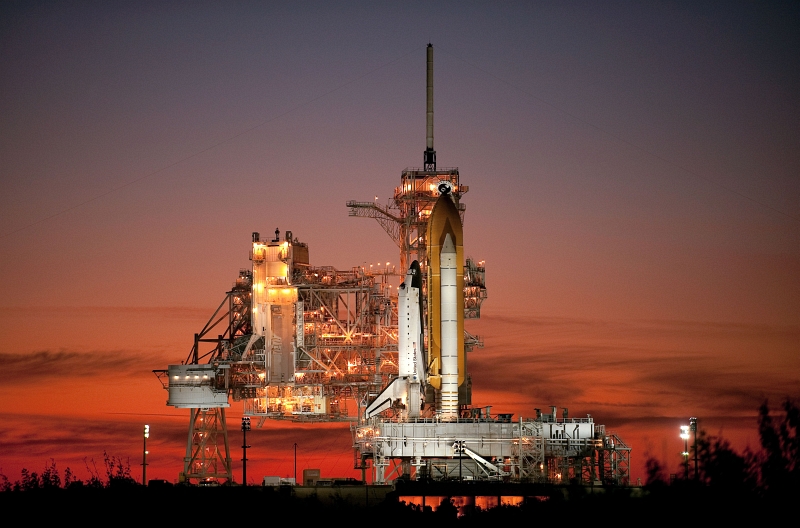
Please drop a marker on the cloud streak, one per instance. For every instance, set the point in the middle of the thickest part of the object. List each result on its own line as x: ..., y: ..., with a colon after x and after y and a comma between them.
x: 172, y: 312
x: 636, y: 370
x: 35, y: 367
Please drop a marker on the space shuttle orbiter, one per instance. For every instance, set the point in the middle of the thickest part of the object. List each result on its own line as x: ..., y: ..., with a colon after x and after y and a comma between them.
x: 443, y: 367
x: 406, y: 390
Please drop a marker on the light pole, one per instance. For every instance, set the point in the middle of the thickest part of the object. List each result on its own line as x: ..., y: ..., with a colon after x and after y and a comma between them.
x: 685, y: 436
x: 245, y: 428
x: 144, y: 455
x: 693, y: 427
x: 295, y: 463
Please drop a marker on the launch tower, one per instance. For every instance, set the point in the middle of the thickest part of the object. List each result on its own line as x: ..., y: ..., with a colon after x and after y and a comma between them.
x: 294, y: 341
x: 422, y: 425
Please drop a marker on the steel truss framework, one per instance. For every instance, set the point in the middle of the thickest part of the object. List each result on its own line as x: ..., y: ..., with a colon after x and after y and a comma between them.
x: 208, y: 432
x: 348, y: 352
x: 348, y: 349
x: 204, y: 461
x: 405, y: 220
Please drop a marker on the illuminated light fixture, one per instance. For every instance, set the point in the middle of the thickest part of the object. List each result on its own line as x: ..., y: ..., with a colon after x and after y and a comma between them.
x: 144, y: 454
x: 685, y: 437
x: 685, y: 432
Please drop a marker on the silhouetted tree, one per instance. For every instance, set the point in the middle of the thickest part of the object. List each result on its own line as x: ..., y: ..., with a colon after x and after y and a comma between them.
x: 780, y: 457
x: 69, y: 479
x: 447, y: 512
x: 723, y: 468
x: 29, y: 482
x: 94, y: 480
x: 118, y: 473
x: 50, y: 478
x: 656, y: 474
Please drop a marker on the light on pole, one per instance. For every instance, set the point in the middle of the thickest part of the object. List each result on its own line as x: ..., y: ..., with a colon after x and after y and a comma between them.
x: 245, y: 428
x: 144, y: 455
x: 693, y: 427
x: 685, y: 436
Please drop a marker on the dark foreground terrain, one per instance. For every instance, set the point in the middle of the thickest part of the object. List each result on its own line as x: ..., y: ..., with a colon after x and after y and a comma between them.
x: 760, y: 487
x: 570, y: 506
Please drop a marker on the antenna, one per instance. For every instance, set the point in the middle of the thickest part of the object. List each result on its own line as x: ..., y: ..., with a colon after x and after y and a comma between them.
x: 430, y: 154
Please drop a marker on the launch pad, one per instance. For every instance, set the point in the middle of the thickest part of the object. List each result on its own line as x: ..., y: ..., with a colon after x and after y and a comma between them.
x: 298, y: 342
x: 542, y: 449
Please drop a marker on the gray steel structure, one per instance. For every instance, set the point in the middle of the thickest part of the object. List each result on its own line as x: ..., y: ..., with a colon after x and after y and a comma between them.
x: 542, y: 449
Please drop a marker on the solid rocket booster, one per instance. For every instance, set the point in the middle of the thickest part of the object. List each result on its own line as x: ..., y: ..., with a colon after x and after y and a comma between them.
x: 446, y: 358
x: 406, y: 388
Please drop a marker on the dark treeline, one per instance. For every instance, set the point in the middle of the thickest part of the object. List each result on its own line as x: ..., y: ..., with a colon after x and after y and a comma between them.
x: 728, y: 485
x: 773, y: 471
x: 116, y: 473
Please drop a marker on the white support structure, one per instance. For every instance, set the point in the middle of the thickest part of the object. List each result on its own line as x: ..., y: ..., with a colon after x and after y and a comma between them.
x: 544, y: 449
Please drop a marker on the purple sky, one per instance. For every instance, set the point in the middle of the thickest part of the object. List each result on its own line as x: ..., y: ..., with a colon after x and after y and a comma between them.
x: 634, y: 190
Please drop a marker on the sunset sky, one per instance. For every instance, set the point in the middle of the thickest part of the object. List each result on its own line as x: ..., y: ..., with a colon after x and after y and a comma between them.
x: 634, y: 175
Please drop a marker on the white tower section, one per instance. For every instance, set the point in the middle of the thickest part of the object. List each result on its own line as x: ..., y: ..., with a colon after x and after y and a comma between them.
x: 274, y: 302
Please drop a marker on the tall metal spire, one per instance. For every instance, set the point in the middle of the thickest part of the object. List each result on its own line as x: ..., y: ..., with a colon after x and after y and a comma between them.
x: 430, y: 154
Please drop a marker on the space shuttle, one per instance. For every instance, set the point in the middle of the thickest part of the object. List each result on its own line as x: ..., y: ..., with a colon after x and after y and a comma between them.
x: 440, y: 370
x: 442, y: 367
x: 406, y: 391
